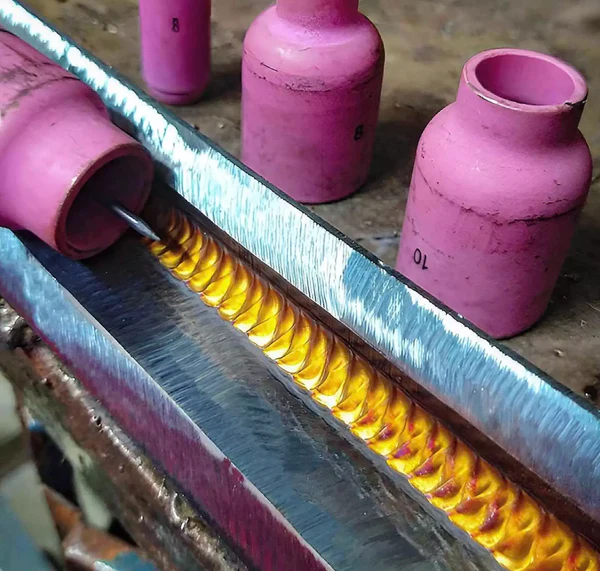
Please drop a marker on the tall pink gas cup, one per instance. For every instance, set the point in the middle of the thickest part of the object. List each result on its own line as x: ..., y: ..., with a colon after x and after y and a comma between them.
x: 62, y: 161
x: 311, y: 83
x: 175, y: 41
x: 499, y: 180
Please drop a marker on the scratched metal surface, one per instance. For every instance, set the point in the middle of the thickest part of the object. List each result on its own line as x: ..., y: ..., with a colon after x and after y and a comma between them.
x: 544, y: 426
x: 170, y: 365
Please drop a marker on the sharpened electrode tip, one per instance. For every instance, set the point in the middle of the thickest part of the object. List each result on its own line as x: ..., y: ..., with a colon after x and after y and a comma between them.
x: 134, y: 221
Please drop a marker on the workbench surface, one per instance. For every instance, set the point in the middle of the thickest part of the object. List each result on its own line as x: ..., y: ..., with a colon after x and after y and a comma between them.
x: 426, y: 43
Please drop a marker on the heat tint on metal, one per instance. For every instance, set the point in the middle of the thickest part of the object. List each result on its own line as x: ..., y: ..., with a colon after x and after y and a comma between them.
x: 285, y: 489
x: 517, y: 406
x: 547, y: 429
x: 78, y: 435
x: 477, y: 498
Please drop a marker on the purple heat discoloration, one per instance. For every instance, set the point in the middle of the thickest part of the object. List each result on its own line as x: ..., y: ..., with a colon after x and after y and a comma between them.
x: 240, y: 512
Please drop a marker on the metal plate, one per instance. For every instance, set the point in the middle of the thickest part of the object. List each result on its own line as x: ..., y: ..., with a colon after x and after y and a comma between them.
x: 545, y: 427
x: 212, y: 412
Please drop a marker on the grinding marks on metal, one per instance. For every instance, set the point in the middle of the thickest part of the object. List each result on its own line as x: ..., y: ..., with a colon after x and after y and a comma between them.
x: 547, y: 429
x: 77, y: 433
x: 284, y: 489
x: 508, y: 400
x: 505, y: 398
x: 475, y: 496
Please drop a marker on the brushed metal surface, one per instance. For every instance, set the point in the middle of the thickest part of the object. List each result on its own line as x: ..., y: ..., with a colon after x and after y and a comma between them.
x: 211, y: 411
x: 548, y: 429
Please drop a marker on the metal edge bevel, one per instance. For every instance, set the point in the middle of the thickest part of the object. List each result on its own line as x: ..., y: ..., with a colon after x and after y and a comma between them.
x: 546, y: 427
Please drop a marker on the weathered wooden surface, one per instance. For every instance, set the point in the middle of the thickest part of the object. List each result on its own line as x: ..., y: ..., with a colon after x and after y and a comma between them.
x: 426, y: 43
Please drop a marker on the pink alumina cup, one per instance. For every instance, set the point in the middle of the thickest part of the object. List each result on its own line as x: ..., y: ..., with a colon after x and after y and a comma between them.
x: 312, y: 72
x: 175, y: 42
x: 499, y: 180
x: 61, y: 159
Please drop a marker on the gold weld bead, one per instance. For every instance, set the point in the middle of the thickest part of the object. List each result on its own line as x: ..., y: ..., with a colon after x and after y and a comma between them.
x: 476, y: 497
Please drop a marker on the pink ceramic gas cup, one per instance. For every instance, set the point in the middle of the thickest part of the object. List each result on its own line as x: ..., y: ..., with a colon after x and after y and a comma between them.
x: 312, y: 72
x: 499, y: 180
x: 61, y: 159
x: 175, y: 40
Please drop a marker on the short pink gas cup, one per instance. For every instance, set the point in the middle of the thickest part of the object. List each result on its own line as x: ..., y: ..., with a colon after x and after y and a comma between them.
x: 175, y: 41
x: 61, y: 159
x: 499, y: 180
x: 312, y: 72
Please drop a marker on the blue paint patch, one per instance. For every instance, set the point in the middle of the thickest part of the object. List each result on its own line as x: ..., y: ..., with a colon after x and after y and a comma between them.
x: 125, y: 562
x: 17, y: 550
x: 35, y: 426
